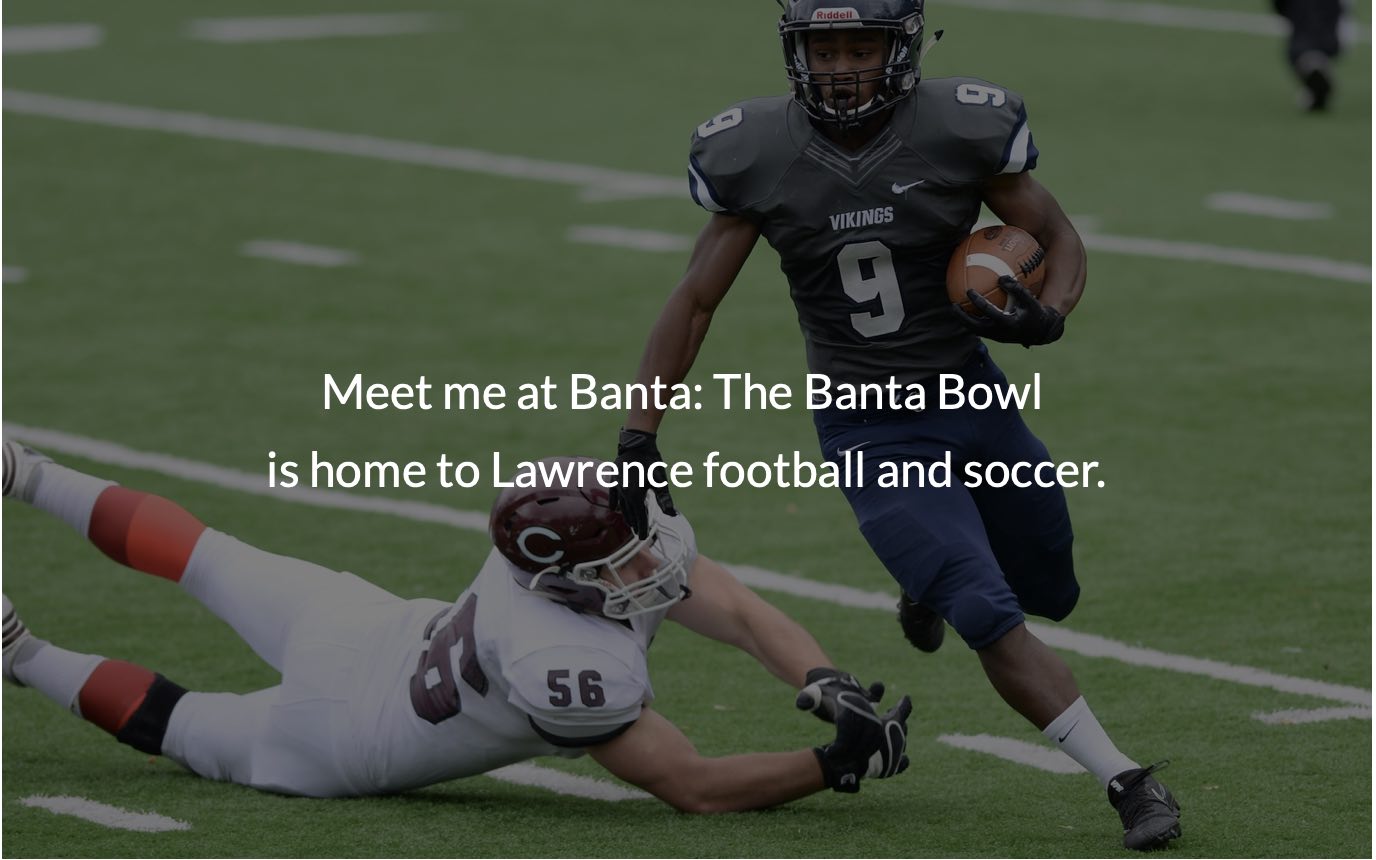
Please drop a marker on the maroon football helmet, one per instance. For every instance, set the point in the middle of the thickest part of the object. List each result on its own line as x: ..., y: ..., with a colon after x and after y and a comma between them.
x: 566, y: 542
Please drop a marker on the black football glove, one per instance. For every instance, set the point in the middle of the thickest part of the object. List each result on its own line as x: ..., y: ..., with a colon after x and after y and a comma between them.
x: 1026, y: 320
x: 822, y: 687
x: 867, y: 746
x: 637, y: 446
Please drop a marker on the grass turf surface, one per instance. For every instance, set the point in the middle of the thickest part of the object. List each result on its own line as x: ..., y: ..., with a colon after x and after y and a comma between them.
x: 1229, y: 408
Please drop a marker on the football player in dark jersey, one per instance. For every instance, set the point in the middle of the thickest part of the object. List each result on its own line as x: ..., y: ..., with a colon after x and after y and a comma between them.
x: 864, y: 180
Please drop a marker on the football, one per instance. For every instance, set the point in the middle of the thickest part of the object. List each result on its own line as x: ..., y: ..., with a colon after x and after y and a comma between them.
x: 986, y: 255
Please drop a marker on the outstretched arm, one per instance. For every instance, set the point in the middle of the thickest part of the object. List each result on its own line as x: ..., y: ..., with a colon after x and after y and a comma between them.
x: 723, y: 609
x: 655, y: 755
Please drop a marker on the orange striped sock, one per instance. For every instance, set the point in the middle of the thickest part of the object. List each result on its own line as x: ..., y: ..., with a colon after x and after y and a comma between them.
x: 144, y: 531
x: 113, y: 693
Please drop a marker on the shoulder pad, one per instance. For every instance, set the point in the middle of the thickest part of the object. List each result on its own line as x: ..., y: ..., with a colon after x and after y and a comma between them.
x: 577, y: 697
x: 972, y: 128
x: 738, y: 156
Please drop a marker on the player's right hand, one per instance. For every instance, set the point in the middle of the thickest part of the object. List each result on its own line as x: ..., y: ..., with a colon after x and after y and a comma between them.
x: 867, y: 746
x: 1024, y: 321
x: 823, y: 684
x: 638, y: 446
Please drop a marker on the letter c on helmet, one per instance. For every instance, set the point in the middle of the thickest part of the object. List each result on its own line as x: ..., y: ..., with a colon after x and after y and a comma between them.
x: 539, y: 531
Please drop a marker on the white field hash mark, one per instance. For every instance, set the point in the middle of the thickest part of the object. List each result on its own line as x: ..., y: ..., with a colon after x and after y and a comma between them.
x: 1084, y: 644
x: 301, y: 254
x: 279, y: 29
x: 47, y: 38
x: 15, y: 274
x: 1016, y: 751
x: 105, y: 815
x: 1268, y: 207
x: 626, y: 237
x: 1316, y: 715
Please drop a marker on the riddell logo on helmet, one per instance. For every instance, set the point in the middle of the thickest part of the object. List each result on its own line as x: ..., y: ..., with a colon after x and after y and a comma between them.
x: 839, y: 13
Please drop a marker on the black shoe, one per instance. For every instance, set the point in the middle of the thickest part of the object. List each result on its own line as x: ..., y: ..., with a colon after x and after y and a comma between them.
x: 921, y: 626
x: 1312, y: 68
x: 1151, y: 817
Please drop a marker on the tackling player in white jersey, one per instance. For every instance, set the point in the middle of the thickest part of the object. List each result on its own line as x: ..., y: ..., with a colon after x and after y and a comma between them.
x: 544, y: 654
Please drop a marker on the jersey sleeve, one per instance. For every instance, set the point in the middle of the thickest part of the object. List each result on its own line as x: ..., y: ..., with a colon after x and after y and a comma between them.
x: 994, y: 123
x: 577, y: 697
x: 984, y: 128
x: 735, y: 157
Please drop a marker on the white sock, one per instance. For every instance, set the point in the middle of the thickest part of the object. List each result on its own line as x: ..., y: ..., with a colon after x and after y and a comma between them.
x: 68, y: 495
x: 1077, y: 733
x: 55, y: 672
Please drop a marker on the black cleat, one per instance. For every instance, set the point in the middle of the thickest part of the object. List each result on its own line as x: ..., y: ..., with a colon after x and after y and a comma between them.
x: 1313, y: 70
x: 1151, y: 817
x: 921, y: 626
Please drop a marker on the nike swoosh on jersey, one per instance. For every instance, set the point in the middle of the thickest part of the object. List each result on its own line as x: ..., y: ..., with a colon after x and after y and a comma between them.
x: 899, y: 189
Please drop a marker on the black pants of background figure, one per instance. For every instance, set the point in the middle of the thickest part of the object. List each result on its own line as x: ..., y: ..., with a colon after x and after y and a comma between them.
x: 1313, y: 43
x: 1313, y: 26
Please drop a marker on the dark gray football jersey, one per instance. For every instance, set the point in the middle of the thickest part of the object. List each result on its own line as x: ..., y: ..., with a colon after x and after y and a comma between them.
x: 864, y: 237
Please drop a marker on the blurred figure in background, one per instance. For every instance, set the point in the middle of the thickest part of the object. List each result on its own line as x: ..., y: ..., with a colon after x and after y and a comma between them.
x: 1312, y: 47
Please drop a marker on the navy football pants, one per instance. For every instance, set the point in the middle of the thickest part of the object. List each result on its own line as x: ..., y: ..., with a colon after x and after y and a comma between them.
x: 979, y: 557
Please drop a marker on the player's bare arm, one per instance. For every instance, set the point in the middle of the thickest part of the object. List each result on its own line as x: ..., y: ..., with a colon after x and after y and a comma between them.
x: 654, y: 755
x: 722, y: 247
x: 724, y: 609
x: 1022, y: 201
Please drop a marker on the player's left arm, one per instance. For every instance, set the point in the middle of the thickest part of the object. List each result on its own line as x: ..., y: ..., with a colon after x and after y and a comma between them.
x: 1020, y: 200
x: 724, y: 609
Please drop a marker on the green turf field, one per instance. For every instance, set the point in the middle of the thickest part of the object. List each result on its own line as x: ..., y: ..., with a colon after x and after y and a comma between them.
x: 1228, y: 405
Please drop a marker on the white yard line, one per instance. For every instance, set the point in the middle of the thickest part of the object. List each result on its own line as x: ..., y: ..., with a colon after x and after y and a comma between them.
x: 565, y: 783
x: 1131, y: 246
x: 1195, y: 252
x: 1268, y: 207
x: 1085, y: 644
x: 15, y: 274
x: 105, y: 815
x: 335, y: 143
x: 299, y: 253
x: 1316, y: 715
x: 614, y: 182
x: 626, y: 237
x: 46, y: 38
x: 279, y: 29
x: 244, y: 482
x: 1156, y: 15
x: 1018, y: 752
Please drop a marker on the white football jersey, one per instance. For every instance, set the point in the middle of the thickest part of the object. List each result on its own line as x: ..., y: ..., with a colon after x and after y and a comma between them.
x: 437, y: 691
